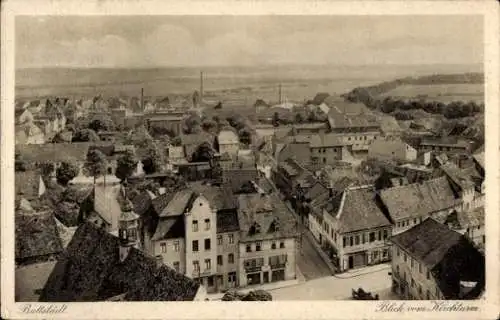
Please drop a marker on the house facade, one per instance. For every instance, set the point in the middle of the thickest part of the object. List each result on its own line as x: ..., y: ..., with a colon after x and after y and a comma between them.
x: 392, y: 149
x: 422, y: 274
x: 228, y: 143
x: 327, y: 149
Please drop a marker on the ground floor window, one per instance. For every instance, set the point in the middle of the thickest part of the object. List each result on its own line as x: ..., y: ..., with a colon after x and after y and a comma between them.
x: 211, y: 281
x: 253, y: 278
x: 278, y: 275
x: 231, y: 279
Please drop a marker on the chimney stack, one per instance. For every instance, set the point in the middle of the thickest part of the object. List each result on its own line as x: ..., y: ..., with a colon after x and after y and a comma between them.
x: 279, y: 93
x: 142, y: 99
x: 201, y: 87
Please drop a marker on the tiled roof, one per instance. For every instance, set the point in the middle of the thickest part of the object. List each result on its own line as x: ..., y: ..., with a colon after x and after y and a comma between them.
x: 227, y: 221
x: 178, y: 204
x: 169, y: 228
x: 197, y: 138
x: 90, y: 270
x: 220, y: 198
x: 325, y: 141
x: 36, y: 235
x: 449, y: 255
x: 264, y: 209
x: 55, y: 152
x: 27, y: 184
x: 418, y: 199
x: 236, y: 178
x: 460, y: 177
x: 472, y: 218
x: 68, y: 213
x: 142, y: 202
x: 358, y: 211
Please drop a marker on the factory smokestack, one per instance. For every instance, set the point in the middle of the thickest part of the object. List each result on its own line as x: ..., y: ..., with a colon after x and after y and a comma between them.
x: 201, y: 87
x: 142, y: 99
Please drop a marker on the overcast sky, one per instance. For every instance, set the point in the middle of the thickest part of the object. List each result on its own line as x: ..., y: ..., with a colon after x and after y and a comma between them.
x: 146, y: 41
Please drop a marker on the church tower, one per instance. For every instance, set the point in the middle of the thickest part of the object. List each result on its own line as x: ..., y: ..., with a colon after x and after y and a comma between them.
x: 128, y: 226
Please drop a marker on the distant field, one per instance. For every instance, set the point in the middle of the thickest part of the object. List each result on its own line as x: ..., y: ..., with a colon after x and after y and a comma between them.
x: 440, y: 92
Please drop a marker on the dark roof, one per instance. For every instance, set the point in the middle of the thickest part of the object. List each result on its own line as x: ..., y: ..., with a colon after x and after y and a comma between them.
x: 27, y: 184
x: 68, y: 213
x: 461, y: 177
x: 227, y: 221
x: 359, y: 210
x: 142, y: 202
x: 236, y: 178
x: 160, y: 203
x: 418, y: 199
x: 450, y: 256
x: 319, y: 98
x: 90, y: 270
x: 180, y: 202
x: 36, y: 235
x: 55, y: 152
x: 169, y: 228
x: 221, y: 198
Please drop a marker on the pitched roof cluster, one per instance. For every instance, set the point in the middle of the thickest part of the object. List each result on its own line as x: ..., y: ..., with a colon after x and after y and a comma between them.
x: 355, y: 209
x: 54, y: 152
x: 90, y: 270
x: 36, y: 235
x: 326, y: 140
x: 448, y: 254
x: 418, y: 199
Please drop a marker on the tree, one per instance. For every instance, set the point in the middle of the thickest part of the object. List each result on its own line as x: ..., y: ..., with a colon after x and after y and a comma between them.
x: 46, y: 169
x: 177, y: 141
x: 153, y: 160
x: 203, y: 153
x: 192, y: 124
x: 126, y: 165
x: 245, y: 136
x: 276, y: 119
x: 209, y: 125
x: 388, y: 106
x: 96, y: 164
x: 101, y: 124
x: 66, y: 172
x: 85, y: 135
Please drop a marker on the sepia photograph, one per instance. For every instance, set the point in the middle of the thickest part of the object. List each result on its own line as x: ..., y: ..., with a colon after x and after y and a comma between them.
x: 263, y: 157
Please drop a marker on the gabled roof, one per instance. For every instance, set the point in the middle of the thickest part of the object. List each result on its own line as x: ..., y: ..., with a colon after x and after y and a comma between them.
x: 36, y: 235
x: 355, y: 209
x: 178, y: 204
x: 54, y: 152
x: 169, y: 228
x: 460, y: 177
x: 90, y: 270
x: 220, y: 198
x: 142, y: 202
x: 418, y: 199
x: 228, y: 137
x: 449, y: 255
x: 227, y: 221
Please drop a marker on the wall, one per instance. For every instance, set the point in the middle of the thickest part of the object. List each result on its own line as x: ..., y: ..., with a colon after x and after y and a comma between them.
x: 265, y: 253
x: 420, y: 277
x: 358, y: 140
x: 224, y: 250
x: 326, y: 155
x: 171, y: 256
x: 230, y: 148
x: 200, y: 211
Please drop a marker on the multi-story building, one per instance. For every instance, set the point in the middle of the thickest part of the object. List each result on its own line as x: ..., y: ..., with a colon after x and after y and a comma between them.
x: 327, y: 149
x: 432, y: 262
x: 467, y: 182
x: 448, y: 145
x: 228, y: 142
x: 227, y: 248
x: 352, y: 225
x: 469, y: 223
x: 408, y: 205
x: 171, y: 121
x: 268, y: 239
x: 392, y: 149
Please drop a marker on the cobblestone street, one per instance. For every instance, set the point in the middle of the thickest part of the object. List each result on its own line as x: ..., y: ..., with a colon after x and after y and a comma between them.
x: 336, y: 288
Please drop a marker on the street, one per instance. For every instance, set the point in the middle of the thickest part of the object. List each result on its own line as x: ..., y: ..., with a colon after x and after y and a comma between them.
x: 335, y: 288
x: 309, y: 261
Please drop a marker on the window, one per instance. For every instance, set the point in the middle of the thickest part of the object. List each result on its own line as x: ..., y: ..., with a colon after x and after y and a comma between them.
x: 356, y: 240
x: 351, y: 241
x: 419, y: 290
x: 163, y: 246
x: 411, y: 263
x: 231, y: 238
x: 258, y: 246
x: 208, y: 264
x: 196, y: 266
x: 230, y: 258
x: 419, y: 267
x: 195, y: 225
x: 207, y: 224
x: 273, y: 245
x: 219, y: 260
x: 344, y: 242
x: 379, y: 235
x: 177, y: 266
x: 412, y: 283
x: 207, y: 244
x: 249, y: 248
x: 219, y: 240
x: 397, y: 252
x: 176, y: 245
x: 364, y: 239
x: 415, y: 221
x: 404, y: 257
x: 428, y: 275
x: 372, y: 236
x: 428, y: 295
x: 282, y: 245
x: 195, y: 245
x: 385, y: 234
x: 397, y: 270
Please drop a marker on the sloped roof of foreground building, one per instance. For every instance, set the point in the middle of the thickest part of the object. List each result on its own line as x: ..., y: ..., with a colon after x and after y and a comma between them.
x: 448, y: 254
x: 90, y: 270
